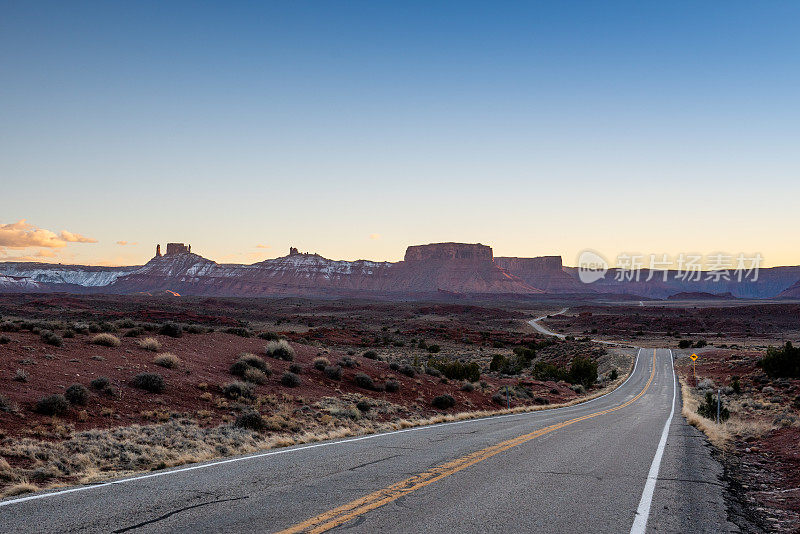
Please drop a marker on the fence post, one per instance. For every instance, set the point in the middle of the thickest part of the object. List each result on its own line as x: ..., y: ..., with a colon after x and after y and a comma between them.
x: 719, y: 393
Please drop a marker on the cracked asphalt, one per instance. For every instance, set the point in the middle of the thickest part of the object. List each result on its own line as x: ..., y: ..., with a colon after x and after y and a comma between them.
x: 586, y: 476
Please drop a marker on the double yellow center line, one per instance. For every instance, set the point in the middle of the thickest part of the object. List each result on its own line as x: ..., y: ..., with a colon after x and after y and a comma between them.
x: 338, y: 516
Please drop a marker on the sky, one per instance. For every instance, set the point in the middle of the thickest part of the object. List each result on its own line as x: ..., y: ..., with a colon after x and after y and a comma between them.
x: 356, y: 129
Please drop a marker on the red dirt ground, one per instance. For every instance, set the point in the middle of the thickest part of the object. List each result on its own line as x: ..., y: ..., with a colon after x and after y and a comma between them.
x: 206, y: 358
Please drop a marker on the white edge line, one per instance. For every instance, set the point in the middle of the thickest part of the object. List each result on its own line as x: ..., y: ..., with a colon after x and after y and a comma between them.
x: 301, y: 448
x: 643, y: 511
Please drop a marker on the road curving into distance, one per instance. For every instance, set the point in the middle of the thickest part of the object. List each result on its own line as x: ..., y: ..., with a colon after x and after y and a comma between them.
x: 583, y: 467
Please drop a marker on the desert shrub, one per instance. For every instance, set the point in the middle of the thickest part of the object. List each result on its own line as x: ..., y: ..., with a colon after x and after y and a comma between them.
x: 250, y: 361
x: 171, y: 330
x: 290, y: 380
x: 547, y: 371
x: 51, y: 338
x: 6, y: 405
x: 254, y: 376
x: 195, y: 329
x: 68, y: 334
x: 81, y: 328
x: 347, y: 361
x: 736, y: 386
x: 407, y: 370
x: 614, y: 374
x: 443, y: 402
x: 468, y: 387
x: 105, y: 326
x: 363, y: 405
x: 371, y: 354
x: 540, y: 401
x: 125, y: 323
x: 700, y: 343
x: 52, y: 405
x: 168, y: 360
x: 238, y: 331
x: 134, y: 332
x: 237, y: 390
x: 507, y: 365
x: 280, y: 350
x: 100, y: 383
x: 269, y: 336
x: 583, y: 370
x: 434, y: 348
x: 782, y: 362
x: 527, y: 353
x: 8, y: 326
x: 392, y: 386
x: 499, y: 398
x: 296, y: 368
x: 684, y: 343
x: 456, y: 370
x: 394, y: 366
x: 433, y: 371
x: 364, y: 381
x: 708, y: 408
x: 4, y: 340
x: 250, y: 420
x: 106, y: 340
x: 20, y: 376
x: 321, y: 363
x: 77, y: 394
x: 150, y: 382
x: 149, y: 343
x: 334, y: 372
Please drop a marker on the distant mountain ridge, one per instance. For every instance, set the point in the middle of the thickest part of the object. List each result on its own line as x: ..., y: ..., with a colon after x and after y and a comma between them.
x: 437, y: 268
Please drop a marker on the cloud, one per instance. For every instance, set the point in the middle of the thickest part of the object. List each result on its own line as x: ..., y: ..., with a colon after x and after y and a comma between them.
x: 24, y: 235
x: 374, y: 237
x: 263, y: 246
x: 42, y: 253
x: 124, y: 243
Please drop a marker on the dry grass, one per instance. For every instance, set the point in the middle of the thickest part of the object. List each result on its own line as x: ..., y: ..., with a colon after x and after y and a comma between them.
x: 167, y: 359
x: 106, y: 340
x: 720, y: 435
x: 19, y: 489
x: 149, y: 343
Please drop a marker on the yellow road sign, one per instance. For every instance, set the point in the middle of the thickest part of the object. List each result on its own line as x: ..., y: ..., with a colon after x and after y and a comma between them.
x: 693, y: 357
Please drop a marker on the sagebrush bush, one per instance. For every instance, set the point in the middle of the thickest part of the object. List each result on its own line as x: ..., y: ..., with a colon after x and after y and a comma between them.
x: 238, y: 331
x: 296, y: 368
x: 150, y: 382
x: 77, y: 394
x: 100, y: 383
x: 20, y: 376
x: 468, y: 387
x: 347, y: 361
x: 167, y: 359
x: 250, y: 420
x: 363, y: 405
x: 247, y: 361
x: 394, y: 366
x: 334, y: 372
x: 392, y: 386
x: 269, y: 336
x: 443, y: 402
x: 371, y: 354
x: 106, y: 340
x: 254, y: 376
x: 456, y: 369
x: 363, y: 380
x: 4, y: 340
x: 195, y: 329
x: 236, y: 390
x: 708, y: 409
x: 149, y: 343
x: 321, y: 363
x: 280, y: 350
x: 51, y: 338
x: 782, y: 362
x: 407, y: 370
x: 134, y: 332
x: 291, y: 380
x: 52, y: 405
x: 6, y: 405
x: 171, y: 330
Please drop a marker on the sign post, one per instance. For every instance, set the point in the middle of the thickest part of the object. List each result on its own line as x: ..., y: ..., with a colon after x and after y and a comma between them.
x: 694, y: 369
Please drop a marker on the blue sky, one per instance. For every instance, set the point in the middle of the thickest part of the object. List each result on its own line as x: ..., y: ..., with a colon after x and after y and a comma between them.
x: 356, y: 129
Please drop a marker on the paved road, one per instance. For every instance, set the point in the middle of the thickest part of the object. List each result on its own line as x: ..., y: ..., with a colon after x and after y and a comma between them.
x: 581, y: 468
